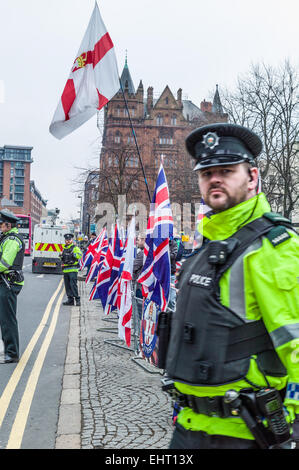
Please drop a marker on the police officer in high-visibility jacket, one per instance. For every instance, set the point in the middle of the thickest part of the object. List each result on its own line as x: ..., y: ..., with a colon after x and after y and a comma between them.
x: 12, y: 251
x: 70, y: 266
x: 235, y: 332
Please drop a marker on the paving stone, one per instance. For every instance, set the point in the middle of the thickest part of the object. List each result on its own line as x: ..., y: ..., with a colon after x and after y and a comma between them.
x: 122, y: 405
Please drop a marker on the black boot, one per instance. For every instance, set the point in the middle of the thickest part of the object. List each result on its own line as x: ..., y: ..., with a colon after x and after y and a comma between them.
x: 78, y: 303
x: 69, y: 302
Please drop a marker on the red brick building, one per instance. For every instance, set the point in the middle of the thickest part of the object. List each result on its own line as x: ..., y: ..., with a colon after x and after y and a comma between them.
x: 161, y: 124
x: 37, y: 204
x: 15, y: 164
x: 17, y: 192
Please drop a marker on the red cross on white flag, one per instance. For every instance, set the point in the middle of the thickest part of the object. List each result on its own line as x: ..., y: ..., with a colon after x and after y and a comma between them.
x: 93, y: 80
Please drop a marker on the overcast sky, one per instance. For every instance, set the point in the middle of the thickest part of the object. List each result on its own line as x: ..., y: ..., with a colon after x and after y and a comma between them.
x: 191, y: 44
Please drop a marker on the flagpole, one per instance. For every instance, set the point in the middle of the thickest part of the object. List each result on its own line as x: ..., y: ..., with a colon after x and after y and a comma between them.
x: 136, y: 143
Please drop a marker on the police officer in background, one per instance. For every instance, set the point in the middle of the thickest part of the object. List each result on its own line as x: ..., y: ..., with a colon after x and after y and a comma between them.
x: 12, y: 251
x: 236, y: 327
x: 70, y: 266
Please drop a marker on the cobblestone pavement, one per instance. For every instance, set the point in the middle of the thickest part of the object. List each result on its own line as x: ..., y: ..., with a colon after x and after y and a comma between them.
x: 122, y: 405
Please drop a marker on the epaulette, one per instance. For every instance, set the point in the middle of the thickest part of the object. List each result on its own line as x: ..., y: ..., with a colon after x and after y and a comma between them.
x: 277, y: 218
x: 278, y: 234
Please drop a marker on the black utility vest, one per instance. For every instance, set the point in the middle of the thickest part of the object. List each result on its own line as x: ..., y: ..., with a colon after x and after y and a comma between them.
x: 19, y: 259
x: 68, y: 257
x: 210, y: 344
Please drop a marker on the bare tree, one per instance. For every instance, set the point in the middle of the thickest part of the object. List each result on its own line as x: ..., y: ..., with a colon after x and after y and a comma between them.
x: 120, y: 174
x: 266, y: 100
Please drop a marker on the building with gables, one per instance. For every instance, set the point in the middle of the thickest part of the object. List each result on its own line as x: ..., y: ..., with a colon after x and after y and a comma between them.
x: 161, y: 124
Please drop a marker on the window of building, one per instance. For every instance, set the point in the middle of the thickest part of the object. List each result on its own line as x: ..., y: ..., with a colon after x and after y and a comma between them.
x: 173, y: 120
x: 19, y: 165
x: 166, y: 100
x: 19, y: 189
x: 159, y: 120
x: 130, y: 139
x: 166, y: 141
x: 118, y: 111
x: 117, y: 137
x: 19, y: 180
x: 19, y: 172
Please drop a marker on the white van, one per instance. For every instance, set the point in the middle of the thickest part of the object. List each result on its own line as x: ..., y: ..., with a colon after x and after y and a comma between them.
x: 48, y: 244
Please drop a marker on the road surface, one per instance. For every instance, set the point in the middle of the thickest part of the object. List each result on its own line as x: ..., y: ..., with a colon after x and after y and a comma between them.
x: 30, y: 390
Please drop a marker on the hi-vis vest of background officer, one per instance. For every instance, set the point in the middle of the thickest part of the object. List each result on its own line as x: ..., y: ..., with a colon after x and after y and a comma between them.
x: 19, y: 259
x: 210, y: 344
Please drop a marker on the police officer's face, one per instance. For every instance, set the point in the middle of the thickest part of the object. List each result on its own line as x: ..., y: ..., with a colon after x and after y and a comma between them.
x: 5, y: 227
x: 223, y: 187
x: 68, y: 241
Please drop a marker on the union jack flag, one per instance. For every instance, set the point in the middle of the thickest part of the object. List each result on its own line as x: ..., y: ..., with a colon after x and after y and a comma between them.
x: 124, y: 301
x: 99, y: 256
x: 115, y: 269
x: 155, y: 274
x: 204, y: 211
x: 87, y: 257
x: 105, y: 287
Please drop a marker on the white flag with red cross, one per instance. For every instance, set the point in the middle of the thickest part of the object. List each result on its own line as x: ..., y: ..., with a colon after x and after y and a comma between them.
x: 93, y: 80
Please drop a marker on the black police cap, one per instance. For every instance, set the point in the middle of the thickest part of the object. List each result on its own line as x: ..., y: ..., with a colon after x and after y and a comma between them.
x: 8, y: 216
x: 223, y: 144
x: 68, y: 236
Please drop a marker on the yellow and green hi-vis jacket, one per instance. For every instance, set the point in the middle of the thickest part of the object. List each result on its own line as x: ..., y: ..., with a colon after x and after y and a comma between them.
x: 269, y: 280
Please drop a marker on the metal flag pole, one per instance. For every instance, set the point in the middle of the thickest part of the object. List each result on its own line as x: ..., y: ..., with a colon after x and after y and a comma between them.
x: 136, y: 143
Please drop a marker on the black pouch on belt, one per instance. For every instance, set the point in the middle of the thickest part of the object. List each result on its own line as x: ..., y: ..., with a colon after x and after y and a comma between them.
x: 163, y: 333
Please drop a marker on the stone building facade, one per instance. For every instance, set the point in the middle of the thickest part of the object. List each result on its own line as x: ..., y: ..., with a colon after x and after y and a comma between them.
x: 161, y: 124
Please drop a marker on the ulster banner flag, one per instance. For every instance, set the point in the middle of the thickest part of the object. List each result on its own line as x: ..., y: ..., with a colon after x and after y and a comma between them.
x: 93, y: 80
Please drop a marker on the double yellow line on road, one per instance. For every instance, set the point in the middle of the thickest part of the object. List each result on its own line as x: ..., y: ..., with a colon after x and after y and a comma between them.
x: 18, y: 428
